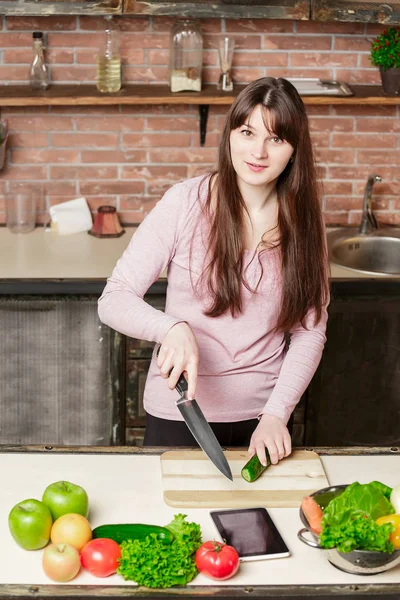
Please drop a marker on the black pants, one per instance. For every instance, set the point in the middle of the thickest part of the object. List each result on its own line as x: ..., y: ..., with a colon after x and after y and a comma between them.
x: 162, y: 432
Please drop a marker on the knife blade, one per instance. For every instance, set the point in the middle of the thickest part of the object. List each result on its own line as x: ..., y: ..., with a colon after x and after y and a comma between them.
x: 200, y: 428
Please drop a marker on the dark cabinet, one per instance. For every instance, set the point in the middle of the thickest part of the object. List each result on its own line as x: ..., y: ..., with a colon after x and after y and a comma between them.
x: 368, y: 11
x: 354, y: 397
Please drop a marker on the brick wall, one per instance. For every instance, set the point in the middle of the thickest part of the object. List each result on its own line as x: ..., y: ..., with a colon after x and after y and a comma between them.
x: 128, y: 156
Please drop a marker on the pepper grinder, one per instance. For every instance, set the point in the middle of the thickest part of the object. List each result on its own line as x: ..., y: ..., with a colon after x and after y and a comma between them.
x: 226, y: 46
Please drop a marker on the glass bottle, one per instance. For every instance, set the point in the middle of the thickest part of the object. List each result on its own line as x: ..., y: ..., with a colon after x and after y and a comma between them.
x: 109, y: 58
x: 185, y: 56
x: 226, y: 46
x: 38, y: 73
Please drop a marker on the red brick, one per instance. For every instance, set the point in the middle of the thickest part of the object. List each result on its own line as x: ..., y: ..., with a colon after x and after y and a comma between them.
x: 243, y: 41
x: 351, y: 43
x: 16, y: 40
x: 158, y: 188
x: 395, y: 204
x: 147, y: 40
x: 378, y: 157
x: 11, y: 111
x: 259, y: 25
x: 365, y: 111
x: 364, y: 140
x: 38, y: 124
x: 318, y: 110
x: 385, y: 125
x: 76, y: 173
x: 384, y: 188
x: 86, y: 109
x: 85, y: 140
x: 358, y: 76
x: 329, y: 27
x: 318, y: 59
x: 24, y: 55
x: 297, y: 42
x: 388, y: 218
x: 149, y: 140
x: 189, y: 155
x: 74, y: 40
x: 113, y: 123
x: 131, y: 217
x: 360, y: 173
x: 49, y: 23
x: 164, y: 24
x: 24, y: 172
x: 157, y: 109
x: 33, y: 155
x: 373, y: 29
x: 164, y: 124
x: 135, y: 203
x: 114, y: 156
x: 59, y: 188
x: 365, y: 61
x: 27, y: 140
x: 259, y: 59
x: 243, y: 74
x: 300, y: 72
x: 335, y: 155
x: 211, y: 75
x: 110, y: 187
x: 155, y: 174
x: 337, y: 187
x: 13, y: 73
x: 212, y: 140
x: 134, y: 74
x: 320, y: 139
x: 83, y: 74
x: 331, y: 124
x: 351, y: 203
x: 336, y: 218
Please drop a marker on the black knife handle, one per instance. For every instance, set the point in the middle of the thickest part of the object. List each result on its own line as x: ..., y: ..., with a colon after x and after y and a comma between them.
x: 182, y: 384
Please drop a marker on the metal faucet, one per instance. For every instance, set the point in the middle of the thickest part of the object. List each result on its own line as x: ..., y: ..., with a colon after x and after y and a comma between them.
x: 368, y: 220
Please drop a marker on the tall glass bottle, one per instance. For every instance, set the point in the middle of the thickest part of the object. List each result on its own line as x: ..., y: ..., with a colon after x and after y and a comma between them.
x: 185, y: 56
x: 109, y: 58
x: 38, y: 72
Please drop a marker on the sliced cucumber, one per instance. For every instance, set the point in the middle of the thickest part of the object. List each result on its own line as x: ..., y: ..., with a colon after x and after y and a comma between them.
x: 253, y: 469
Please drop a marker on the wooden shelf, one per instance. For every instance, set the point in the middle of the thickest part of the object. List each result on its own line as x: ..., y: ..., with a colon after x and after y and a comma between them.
x: 84, y: 95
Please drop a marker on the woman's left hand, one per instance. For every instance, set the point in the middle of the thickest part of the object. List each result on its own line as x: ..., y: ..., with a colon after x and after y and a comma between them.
x: 270, y: 433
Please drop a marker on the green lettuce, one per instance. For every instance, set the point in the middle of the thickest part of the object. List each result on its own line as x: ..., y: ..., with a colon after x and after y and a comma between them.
x: 349, y: 519
x: 154, y: 564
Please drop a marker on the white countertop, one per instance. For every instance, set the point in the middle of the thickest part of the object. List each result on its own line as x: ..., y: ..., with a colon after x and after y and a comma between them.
x: 43, y: 254
x: 127, y: 488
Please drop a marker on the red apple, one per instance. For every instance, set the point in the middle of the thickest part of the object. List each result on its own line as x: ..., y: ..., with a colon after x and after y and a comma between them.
x: 61, y: 562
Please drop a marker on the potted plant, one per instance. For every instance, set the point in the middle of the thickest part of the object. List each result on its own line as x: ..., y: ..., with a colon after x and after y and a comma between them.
x: 385, y: 54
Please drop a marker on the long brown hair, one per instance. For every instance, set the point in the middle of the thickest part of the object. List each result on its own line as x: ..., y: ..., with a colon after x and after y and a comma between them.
x: 300, y: 223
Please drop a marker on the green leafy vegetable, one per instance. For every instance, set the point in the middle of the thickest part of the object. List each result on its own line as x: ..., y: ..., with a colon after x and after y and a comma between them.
x: 349, y: 519
x: 154, y: 564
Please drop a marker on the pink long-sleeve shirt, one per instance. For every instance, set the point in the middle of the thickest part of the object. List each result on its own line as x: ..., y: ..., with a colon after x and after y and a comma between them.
x: 244, y: 368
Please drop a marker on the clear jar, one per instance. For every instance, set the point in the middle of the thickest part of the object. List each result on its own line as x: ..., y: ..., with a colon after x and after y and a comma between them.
x: 38, y: 72
x: 109, y: 58
x: 185, y: 56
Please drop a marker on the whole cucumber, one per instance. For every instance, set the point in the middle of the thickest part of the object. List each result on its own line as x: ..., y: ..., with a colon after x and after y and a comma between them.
x: 132, y: 531
x: 253, y: 468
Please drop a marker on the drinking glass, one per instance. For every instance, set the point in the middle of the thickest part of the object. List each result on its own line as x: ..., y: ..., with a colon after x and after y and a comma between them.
x: 226, y: 46
x: 20, y: 211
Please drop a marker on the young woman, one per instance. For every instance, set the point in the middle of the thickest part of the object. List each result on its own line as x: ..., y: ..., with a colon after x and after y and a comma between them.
x: 245, y: 314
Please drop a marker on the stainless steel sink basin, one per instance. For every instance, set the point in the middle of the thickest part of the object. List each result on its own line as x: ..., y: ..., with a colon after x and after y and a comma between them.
x: 375, y: 252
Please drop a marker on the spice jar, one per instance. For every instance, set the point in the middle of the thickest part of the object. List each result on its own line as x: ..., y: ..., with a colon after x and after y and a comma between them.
x: 185, y: 56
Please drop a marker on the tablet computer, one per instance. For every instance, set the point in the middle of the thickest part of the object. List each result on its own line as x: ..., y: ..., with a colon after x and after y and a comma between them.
x: 251, y: 532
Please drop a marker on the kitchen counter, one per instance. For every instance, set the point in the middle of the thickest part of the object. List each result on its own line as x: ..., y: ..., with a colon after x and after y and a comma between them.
x: 45, y: 256
x: 124, y: 484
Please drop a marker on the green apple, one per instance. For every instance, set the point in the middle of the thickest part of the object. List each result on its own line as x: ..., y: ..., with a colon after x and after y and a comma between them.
x: 30, y: 524
x: 64, y: 498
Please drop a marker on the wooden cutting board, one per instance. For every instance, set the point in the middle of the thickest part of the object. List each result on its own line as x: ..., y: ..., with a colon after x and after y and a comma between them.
x: 191, y: 480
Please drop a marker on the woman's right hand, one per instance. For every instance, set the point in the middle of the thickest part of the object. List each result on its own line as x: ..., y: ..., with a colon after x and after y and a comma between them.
x: 179, y: 354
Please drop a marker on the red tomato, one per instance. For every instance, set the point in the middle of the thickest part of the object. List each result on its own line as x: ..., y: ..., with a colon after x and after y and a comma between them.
x: 217, y: 560
x: 100, y: 557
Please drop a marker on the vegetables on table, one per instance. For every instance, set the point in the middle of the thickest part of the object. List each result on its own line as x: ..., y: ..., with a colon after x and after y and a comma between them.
x: 395, y: 498
x: 313, y: 513
x: 155, y: 564
x: 395, y: 521
x: 253, y: 468
x: 217, y: 560
x: 101, y: 557
x: 132, y: 531
x: 349, y: 519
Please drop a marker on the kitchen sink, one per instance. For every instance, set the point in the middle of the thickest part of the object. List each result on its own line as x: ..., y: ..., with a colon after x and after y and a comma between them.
x: 377, y: 252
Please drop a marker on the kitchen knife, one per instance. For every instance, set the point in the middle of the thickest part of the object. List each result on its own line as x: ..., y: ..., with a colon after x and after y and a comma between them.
x: 200, y: 428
